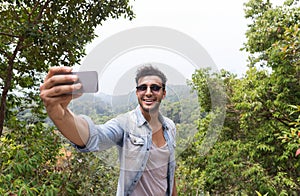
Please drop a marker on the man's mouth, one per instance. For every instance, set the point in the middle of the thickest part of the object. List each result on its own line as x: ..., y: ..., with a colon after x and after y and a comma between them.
x: 149, y: 101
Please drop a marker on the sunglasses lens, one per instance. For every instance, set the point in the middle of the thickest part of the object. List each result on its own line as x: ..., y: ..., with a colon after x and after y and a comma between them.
x: 142, y: 87
x: 155, y: 88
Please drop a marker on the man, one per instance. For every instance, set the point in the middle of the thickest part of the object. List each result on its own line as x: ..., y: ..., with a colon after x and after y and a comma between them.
x: 145, y: 138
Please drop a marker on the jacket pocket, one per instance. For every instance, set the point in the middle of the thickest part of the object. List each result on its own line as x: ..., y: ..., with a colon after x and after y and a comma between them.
x: 134, y: 152
x: 136, y: 140
x: 134, y: 145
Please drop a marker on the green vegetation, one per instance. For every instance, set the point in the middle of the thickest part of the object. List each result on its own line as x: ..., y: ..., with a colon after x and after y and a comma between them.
x: 35, y: 35
x: 256, y: 151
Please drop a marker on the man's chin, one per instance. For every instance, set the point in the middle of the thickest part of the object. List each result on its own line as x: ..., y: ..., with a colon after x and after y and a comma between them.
x: 150, y: 108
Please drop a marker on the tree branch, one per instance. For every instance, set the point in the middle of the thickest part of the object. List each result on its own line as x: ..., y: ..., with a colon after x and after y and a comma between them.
x: 8, y: 34
x: 39, y: 16
x: 33, y: 10
x: 283, y: 122
x: 7, y: 83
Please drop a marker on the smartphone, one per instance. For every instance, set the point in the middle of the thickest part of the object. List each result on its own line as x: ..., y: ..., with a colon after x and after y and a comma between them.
x: 88, y: 80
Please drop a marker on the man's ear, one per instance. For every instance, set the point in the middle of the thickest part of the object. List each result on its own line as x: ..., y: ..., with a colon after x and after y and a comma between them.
x: 164, y: 94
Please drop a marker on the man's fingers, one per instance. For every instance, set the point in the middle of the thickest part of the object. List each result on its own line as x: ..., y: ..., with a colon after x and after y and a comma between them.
x: 60, y: 90
x: 54, y: 80
x: 51, y: 74
x: 56, y: 70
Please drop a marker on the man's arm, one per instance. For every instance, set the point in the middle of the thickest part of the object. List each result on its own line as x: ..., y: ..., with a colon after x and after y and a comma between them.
x: 56, y: 99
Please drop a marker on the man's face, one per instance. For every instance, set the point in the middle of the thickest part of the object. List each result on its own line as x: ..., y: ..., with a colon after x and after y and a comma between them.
x: 150, y: 93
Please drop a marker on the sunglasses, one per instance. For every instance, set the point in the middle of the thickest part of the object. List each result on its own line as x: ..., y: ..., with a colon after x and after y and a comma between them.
x: 153, y: 87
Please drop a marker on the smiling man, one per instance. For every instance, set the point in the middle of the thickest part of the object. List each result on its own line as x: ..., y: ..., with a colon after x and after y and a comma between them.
x: 144, y: 137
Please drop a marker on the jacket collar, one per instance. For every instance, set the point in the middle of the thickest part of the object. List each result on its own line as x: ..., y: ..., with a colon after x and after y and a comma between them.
x: 141, y: 119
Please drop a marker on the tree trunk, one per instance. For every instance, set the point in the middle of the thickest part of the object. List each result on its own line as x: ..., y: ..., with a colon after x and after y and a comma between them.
x: 7, y: 83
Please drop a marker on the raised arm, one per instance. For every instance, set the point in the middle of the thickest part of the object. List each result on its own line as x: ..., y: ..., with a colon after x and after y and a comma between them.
x: 56, y: 99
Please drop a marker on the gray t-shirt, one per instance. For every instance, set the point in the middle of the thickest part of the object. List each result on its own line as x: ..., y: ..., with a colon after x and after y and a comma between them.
x: 154, y: 179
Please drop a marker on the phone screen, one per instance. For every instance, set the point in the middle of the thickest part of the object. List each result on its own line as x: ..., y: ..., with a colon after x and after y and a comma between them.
x: 88, y: 79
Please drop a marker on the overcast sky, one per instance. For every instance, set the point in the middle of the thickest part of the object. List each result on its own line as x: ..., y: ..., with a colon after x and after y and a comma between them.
x: 218, y: 25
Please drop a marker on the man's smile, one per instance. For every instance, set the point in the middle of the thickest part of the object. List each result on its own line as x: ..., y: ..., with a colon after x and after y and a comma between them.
x: 149, y: 101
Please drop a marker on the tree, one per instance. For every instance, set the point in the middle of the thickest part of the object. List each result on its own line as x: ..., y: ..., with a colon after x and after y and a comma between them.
x: 256, y: 148
x: 274, y: 43
x: 36, y: 35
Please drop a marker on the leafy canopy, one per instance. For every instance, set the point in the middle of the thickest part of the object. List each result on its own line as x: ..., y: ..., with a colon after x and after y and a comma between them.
x: 35, y: 35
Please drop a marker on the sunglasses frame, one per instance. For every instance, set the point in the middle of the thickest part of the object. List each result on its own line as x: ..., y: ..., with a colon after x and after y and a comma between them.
x: 153, y: 87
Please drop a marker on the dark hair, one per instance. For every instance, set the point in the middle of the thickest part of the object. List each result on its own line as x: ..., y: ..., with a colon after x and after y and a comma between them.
x: 149, y: 70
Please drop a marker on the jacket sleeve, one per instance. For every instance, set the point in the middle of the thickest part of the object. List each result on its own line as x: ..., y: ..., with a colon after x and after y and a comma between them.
x: 102, y: 137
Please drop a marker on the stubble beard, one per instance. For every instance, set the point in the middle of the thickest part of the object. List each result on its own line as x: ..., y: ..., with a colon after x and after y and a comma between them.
x: 151, y: 110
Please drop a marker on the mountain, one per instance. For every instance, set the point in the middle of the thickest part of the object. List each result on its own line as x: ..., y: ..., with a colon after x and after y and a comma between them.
x: 104, y: 104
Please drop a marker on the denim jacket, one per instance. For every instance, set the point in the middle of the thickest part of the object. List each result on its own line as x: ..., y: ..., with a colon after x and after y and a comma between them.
x: 131, y: 133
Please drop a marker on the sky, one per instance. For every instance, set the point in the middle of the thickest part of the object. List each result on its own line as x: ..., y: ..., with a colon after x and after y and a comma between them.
x: 218, y: 25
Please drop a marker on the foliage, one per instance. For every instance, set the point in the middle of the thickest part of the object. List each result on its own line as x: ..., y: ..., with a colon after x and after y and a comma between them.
x: 28, y: 162
x: 292, y: 137
x: 97, y: 177
x: 255, y: 152
x: 35, y: 35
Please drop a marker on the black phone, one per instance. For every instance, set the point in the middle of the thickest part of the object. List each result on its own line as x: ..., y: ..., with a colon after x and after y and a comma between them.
x: 88, y: 80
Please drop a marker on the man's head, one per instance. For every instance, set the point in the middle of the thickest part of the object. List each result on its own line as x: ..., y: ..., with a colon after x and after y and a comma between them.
x: 149, y: 70
x: 150, y: 88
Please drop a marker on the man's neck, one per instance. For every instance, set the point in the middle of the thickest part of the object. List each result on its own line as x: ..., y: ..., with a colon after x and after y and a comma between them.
x: 151, y: 116
x: 154, y: 122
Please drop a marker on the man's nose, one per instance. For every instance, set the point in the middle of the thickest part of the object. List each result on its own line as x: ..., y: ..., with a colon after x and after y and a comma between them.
x: 148, y: 91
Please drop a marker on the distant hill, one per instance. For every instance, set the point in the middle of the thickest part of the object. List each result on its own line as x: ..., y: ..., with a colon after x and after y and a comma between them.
x: 103, y: 104
x: 174, y: 92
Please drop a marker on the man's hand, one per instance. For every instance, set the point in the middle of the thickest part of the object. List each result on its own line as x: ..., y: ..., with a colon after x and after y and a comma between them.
x: 57, y: 97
